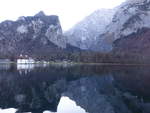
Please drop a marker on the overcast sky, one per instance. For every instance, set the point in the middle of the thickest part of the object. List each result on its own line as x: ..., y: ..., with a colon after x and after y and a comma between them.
x: 69, y: 11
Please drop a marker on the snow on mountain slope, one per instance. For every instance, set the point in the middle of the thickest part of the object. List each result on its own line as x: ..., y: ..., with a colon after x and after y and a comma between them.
x: 83, y: 34
x: 129, y: 18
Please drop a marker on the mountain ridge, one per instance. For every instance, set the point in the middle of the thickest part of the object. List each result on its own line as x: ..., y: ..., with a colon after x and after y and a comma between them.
x: 37, y: 36
x: 128, y: 19
x: 84, y: 33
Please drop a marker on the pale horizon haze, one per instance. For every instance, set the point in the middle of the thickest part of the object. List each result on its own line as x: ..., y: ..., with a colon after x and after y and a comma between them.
x: 70, y: 12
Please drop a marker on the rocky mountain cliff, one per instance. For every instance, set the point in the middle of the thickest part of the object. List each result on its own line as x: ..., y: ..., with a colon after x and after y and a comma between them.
x: 84, y: 33
x: 33, y: 35
x: 128, y: 30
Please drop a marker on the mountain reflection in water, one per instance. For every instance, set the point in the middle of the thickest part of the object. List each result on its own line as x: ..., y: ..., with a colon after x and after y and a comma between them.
x: 74, y: 89
x: 66, y: 105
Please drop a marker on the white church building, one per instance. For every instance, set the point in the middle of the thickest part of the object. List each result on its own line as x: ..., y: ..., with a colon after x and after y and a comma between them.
x: 25, y: 60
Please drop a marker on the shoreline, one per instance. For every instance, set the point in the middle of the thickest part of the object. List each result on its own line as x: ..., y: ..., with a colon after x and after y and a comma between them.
x: 79, y: 63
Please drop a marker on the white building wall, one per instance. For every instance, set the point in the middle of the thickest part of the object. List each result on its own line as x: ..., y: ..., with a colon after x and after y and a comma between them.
x: 25, y: 61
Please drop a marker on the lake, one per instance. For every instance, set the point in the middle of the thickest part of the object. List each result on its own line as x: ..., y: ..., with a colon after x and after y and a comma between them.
x: 74, y: 89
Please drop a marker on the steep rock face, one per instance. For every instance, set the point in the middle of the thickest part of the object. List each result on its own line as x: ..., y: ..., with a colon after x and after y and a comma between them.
x: 84, y: 33
x: 31, y: 35
x: 131, y: 16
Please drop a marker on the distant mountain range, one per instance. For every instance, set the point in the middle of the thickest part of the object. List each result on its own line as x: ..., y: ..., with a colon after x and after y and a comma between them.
x: 122, y: 30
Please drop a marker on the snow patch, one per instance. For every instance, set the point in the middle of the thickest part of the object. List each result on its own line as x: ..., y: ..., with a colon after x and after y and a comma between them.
x: 83, y: 38
x: 22, y: 29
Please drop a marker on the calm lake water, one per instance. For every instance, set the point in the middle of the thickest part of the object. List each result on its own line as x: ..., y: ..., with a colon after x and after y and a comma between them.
x: 74, y: 89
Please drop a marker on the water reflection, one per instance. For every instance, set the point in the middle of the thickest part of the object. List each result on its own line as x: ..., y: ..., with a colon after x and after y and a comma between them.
x: 66, y: 105
x: 25, y: 68
x: 75, y: 89
x: 5, y: 66
x: 11, y: 110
